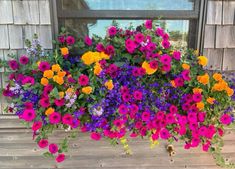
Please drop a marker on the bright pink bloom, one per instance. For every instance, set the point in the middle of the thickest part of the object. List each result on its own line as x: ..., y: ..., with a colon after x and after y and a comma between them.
x: 164, y: 134
x: 83, y: 80
x: 28, y: 79
x: 139, y: 37
x: 36, y: 125
x: 100, y: 47
x: 44, y: 66
x: 134, y: 108
x: 197, y: 97
x: 153, y: 64
x: 126, y: 97
x: 225, y: 119
x: 187, y: 146
x: 186, y: 75
x: 133, y: 135
x: 151, y: 46
x: 145, y: 116
x: 166, y: 44
x: 59, y: 102
x: 182, y: 130
x: 44, y: 102
x: 220, y: 131
x: 138, y: 95
x: 118, y: 123
x: 43, y: 143
x: 112, y: 31
x: 122, y: 109
x: 60, y: 158
x: 165, y: 59
x: 148, y: 24
x: 13, y: 64
x: 195, y: 142
x: 61, y: 39
x: 159, y: 31
x: 95, y: 136
x: 28, y: 114
x: 193, y: 126
x: 166, y: 67
x: 170, y: 119
x: 88, y: 40
x: 130, y: 45
x: 176, y: 55
x: 202, y: 131
x: 192, y: 117
x: 53, y: 148
x: 24, y: 60
x: 155, y: 136
x: 124, y: 89
x: 110, y: 50
x: 135, y: 71
x: 28, y: 105
x: 70, y: 40
x: 165, y: 36
x: 173, y: 109
x: 54, y: 118
x: 179, y: 82
x: 160, y: 115
x: 141, y: 71
x: 205, y: 147
x: 201, y: 116
x: 67, y: 119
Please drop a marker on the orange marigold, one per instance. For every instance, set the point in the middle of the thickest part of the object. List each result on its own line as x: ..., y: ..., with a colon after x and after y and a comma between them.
x: 217, y: 76
x: 200, y: 105
x: 44, y: 81
x: 210, y: 100
x: 48, y: 74
x: 185, y: 66
x: 49, y: 111
x: 64, y: 51
x: 87, y: 90
x: 204, y: 79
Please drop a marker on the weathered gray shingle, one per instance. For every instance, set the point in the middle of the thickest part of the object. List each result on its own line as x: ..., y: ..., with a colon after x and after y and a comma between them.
x: 225, y: 36
x: 214, y: 58
x: 45, y: 36
x: 4, y: 39
x: 29, y: 31
x: 44, y: 9
x: 231, y: 36
x: 214, y: 12
x: 6, y: 16
x: 228, y: 12
x: 26, y: 12
x: 209, y: 39
x: 228, y: 61
x: 2, y: 58
x: 16, y: 37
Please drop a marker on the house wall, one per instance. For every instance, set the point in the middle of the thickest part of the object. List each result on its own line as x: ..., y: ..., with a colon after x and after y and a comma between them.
x: 219, y: 37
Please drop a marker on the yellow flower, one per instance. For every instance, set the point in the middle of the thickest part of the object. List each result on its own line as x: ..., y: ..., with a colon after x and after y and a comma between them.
x: 204, y: 79
x: 61, y: 73
x: 64, y: 51
x: 104, y: 56
x: 61, y: 94
x: 147, y: 68
x: 109, y: 84
x: 210, y: 100
x: 97, y: 68
x: 196, y: 52
x: 220, y: 86
x: 49, y: 111
x: 186, y: 66
x: 200, y: 105
x: 217, y: 76
x: 58, y: 79
x: 160, y: 52
x: 88, y: 58
x: 70, y: 90
x: 229, y: 91
x: 202, y: 60
x: 56, y: 68
x: 96, y: 56
x: 87, y: 90
x: 48, y: 74
x: 44, y: 81
x: 197, y: 90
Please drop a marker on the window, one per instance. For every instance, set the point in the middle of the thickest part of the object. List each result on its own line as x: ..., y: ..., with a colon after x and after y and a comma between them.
x: 86, y: 17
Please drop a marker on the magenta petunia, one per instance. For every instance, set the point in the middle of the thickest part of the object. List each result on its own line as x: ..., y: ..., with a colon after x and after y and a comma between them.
x: 197, y: 97
x: 13, y: 64
x: 28, y: 105
x: 95, y: 136
x: 153, y: 64
x: 186, y: 75
x: 55, y: 118
x: 70, y: 40
x: 139, y: 37
x: 44, y: 66
x: 166, y: 44
x: 148, y: 24
x: 165, y: 134
x: 165, y: 59
x: 53, y: 148
x: 173, y: 109
x: 110, y: 50
x: 28, y: 80
x: 29, y: 114
x: 59, y: 102
x: 43, y: 143
x: 112, y: 31
x: 60, y: 158
x: 179, y: 82
x: 138, y: 95
x: 118, y: 123
x: 192, y: 117
x: 88, y: 40
x: 61, y: 39
x: 100, y: 47
x: 44, y: 102
x: 122, y: 109
x: 134, y: 108
x: 226, y: 119
x: 36, y: 125
x: 159, y: 31
x: 145, y: 116
x: 202, y: 131
x: 124, y: 89
x: 24, y: 60
x: 141, y: 71
x: 135, y: 71
x: 176, y: 55
x: 83, y: 80
x: 126, y: 97
x: 67, y: 119
x: 201, y: 116
x: 195, y: 142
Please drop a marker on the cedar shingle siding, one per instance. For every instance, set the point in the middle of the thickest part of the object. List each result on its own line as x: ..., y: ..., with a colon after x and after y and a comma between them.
x: 219, y: 37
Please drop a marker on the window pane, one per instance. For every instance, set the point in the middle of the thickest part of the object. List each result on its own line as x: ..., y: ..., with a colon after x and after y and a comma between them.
x: 128, y: 4
x: 178, y: 29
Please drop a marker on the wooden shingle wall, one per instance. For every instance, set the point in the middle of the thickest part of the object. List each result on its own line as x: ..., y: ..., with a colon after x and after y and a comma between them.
x: 20, y: 20
x: 219, y: 35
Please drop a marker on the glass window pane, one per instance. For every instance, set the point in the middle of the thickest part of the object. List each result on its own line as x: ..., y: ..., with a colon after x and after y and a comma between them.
x: 128, y: 4
x: 178, y: 29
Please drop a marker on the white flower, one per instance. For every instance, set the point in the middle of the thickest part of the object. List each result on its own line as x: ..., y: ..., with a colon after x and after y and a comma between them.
x: 98, y: 111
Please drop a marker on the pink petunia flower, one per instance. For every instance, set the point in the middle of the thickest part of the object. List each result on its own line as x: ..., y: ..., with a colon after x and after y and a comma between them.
x: 67, y: 119
x: 28, y: 79
x: 148, y: 24
x: 100, y: 47
x: 53, y: 148
x: 43, y: 143
x: 110, y: 50
x: 145, y: 116
x: 95, y: 136
x: 59, y: 102
x: 83, y: 80
x: 179, y: 82
x: 44, y: 66
x: 122, y: 109
x: 36, y: 125
x: 126, y: 97
x: 24, y: 60
x: 138, y: 95
x: 60, y: 158
x: 88, y: 40
x: 166, y: 44
x: 165, y: 134
x: 139, y: 37
x: 112, y: 31
x: 54, y: 118
x: 197, y: 97
x: 13, y: 64
x: 165, y: 59
x: 44, y: 102
x: 153, y: 64
x: 201, y: 116
x: 225, y: 119
x: 70, y: 40
x: 61, y: 39
x: 159, y: 31
x: 28, y: 114
x: 176, y: 55
x: 185, y: 75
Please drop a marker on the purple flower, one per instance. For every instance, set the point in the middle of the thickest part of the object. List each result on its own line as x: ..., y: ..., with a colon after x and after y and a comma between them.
x: 24, y: 60
x: 13, y: 64
x: 70, y: 40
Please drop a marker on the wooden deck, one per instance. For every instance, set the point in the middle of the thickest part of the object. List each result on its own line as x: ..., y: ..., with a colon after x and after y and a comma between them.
x: 18, y: 150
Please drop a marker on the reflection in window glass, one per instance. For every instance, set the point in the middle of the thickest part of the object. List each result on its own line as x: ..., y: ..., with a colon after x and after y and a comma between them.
x: 129, y: 4
x: 178, y: 29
